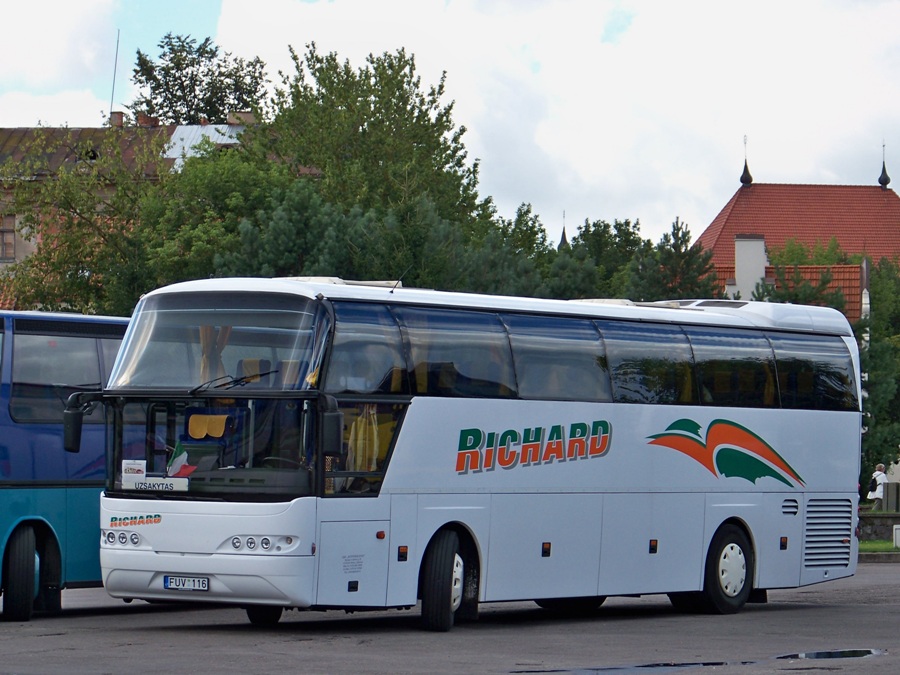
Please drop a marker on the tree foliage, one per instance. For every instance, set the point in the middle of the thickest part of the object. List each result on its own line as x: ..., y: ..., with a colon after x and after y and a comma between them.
x: 194, y: 217
x: 881, y: 364
x: 795, y: 252
x: 85, y: 212
x: 611, y: 247
x: 791, y: 286
x: 376, y: 138
x: 193, y: 81
x: 673, y: 269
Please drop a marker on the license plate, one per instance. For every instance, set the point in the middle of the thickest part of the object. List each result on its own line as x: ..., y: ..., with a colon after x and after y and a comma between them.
x: 185, y: 583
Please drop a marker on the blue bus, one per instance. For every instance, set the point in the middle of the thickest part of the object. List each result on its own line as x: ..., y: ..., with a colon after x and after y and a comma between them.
x: 49, y: 498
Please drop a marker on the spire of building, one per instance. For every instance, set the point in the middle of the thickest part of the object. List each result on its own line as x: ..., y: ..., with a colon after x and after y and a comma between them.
x: 563, y: 242
x: 746, y: 178
x: 883, y: 180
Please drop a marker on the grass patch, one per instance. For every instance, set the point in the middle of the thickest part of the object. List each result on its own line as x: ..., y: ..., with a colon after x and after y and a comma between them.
x: 878, y: 546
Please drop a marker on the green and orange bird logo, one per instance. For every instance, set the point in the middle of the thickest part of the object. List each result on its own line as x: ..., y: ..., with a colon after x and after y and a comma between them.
x: 729, y: 450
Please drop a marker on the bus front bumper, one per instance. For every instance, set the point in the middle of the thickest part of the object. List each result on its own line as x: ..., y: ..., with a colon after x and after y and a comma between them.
x: 220, y: 578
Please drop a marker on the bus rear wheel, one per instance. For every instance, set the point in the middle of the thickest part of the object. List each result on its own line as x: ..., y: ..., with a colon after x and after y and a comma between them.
x: 263, y: 615
x: 443, y: 574
x: 18, y: 576
x: 729, y: 571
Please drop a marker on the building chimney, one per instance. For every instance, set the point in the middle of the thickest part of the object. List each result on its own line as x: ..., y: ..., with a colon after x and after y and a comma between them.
x: 241, y: 117
x: 117, y: 119
x: 145, y: 120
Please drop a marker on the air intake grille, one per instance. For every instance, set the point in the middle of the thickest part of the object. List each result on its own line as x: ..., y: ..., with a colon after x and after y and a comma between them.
x: 828, y: 533
x: 790, y: 507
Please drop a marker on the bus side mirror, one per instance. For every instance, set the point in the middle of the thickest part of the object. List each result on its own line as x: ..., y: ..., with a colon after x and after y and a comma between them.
x: 72, y: 420
x: 73, y: 416
x: 332, y: 430
x: 333, y: 433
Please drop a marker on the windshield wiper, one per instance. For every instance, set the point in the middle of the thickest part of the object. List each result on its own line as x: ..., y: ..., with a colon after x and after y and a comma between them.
x: 241, y: 381
x: 209, y: 383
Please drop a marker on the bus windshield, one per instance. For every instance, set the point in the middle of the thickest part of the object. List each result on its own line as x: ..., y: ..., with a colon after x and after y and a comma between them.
x: 219, y: 341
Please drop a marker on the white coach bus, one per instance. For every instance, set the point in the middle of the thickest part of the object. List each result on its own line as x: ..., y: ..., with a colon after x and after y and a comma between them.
x: 292, y: 444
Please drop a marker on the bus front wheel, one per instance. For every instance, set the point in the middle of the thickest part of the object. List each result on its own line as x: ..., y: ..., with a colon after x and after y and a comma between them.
x: 729, y: 571
x: 18, y: 576
x: 443, y: 574
x: 263, y: 615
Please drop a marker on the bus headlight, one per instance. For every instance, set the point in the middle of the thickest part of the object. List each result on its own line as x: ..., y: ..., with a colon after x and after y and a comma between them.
x: 110, y: 538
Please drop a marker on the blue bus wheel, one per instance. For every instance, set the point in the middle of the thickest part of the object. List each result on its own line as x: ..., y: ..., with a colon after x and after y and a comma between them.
x: 18, y: 576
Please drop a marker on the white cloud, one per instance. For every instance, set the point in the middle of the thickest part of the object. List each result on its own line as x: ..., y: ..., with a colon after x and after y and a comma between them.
x: 72, y: 108
x: 52, y: 44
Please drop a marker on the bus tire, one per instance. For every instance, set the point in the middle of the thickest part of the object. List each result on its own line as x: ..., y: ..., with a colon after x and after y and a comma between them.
x: 728, y: 579
x: 572, y: 606
x: 263, y: 615
x: 443, y: 574
x: 49, y: 593
x: 18, y: 575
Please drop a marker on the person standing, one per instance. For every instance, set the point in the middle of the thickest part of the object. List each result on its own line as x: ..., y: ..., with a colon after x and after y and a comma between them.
x: 879, y: 478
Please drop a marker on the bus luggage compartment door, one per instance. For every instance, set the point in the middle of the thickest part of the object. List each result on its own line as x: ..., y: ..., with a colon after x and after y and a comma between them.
x: 353, y: 565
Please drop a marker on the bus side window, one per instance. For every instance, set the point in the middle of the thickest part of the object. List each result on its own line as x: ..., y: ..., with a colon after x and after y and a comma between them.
x: 46, y: 369
x: 733, y: 366
x: 458, y: 353
x: 367, y: 354
x: 649, y: 363
x: 561, y: 359
x: 814, y: 372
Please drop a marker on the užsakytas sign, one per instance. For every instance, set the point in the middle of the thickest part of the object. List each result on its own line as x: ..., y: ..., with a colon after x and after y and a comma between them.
x: 481, y: 450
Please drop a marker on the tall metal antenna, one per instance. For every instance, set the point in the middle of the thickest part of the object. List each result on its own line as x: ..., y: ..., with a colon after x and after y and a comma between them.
x: 745, y: 147
x: 112, y: 94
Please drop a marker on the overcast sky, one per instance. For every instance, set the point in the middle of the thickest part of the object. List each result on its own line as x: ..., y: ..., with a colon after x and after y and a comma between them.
x: 596, y: 109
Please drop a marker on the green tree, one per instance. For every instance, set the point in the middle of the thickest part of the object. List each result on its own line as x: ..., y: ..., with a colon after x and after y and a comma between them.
x: 376, y: 139
x: 193, y: 81
x: 571, y: 274
x: 673, y: 269
x: 84, y: 214
x: 880, y: 359
x: 498, y: 265
x: 611, y: 247
x: 791, y: 286
x: 289, y: 236
x: 795, y: 252
x: 526, y: 237
x: 194, y: 217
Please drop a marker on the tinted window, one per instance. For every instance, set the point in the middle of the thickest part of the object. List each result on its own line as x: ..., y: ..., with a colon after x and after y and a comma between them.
x: 558, y: 358
x: 735, y: 367
x: 46, y: 370
x: 367, y: 355
x: 188, y: 340
x: 648, y: 363
x: 458, y: 353
x: 814, y: 371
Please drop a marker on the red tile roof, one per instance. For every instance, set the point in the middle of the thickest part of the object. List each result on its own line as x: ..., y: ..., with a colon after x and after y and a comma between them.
x: 846, y: 278
x: 16, y: 143
x: 863, y: 219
